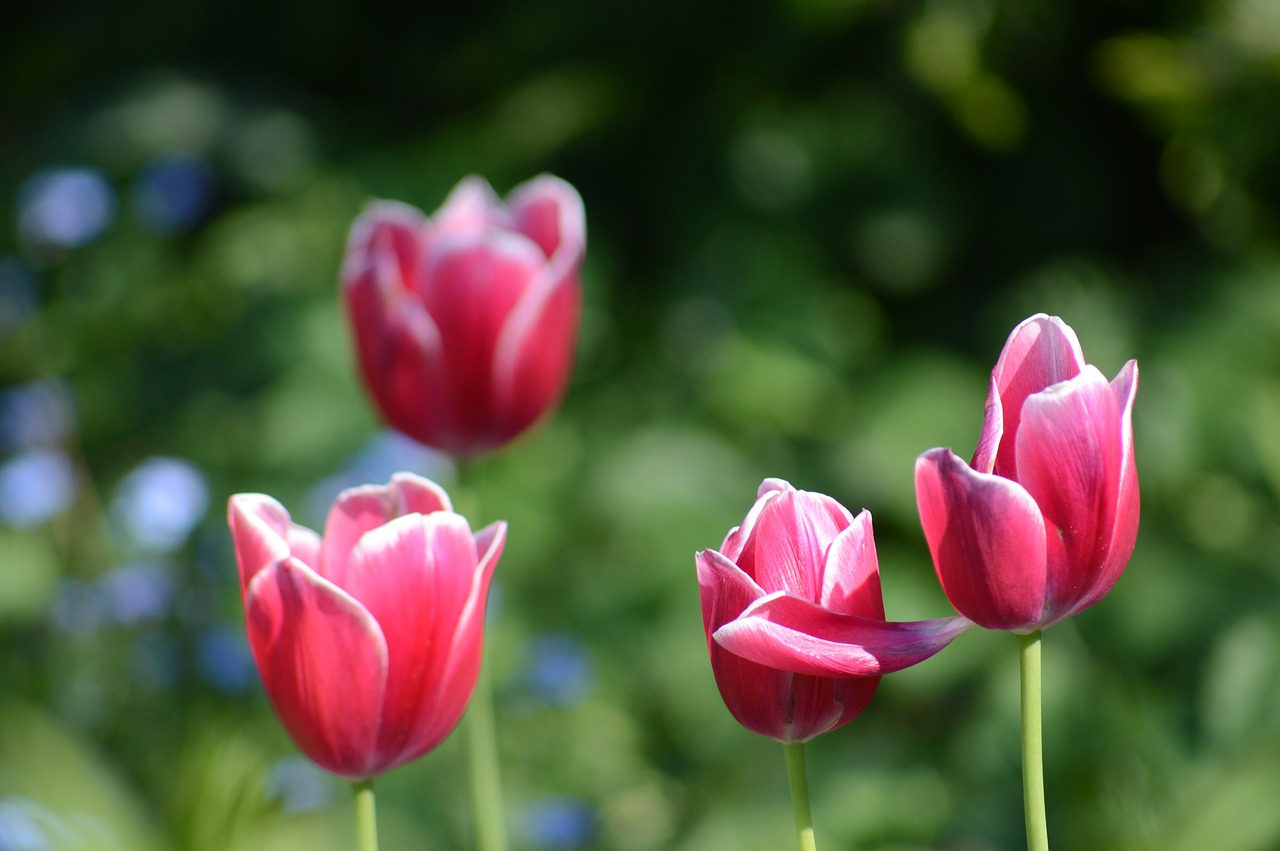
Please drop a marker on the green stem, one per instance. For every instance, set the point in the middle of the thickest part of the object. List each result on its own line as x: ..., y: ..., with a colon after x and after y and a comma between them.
x: 486, y: 778
x: 800, y: 795
x: 366, y: 817
x: 1032, y: 744
x: 488, y: 815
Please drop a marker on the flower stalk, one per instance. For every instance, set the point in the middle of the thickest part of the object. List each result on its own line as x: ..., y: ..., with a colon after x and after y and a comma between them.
x: 1032, y: 743
x: 800, y: 795
x: 366, y: 816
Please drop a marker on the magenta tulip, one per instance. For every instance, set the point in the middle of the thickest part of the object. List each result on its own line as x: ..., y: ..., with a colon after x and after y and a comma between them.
x: 794, y: 619
x: 368, y: 641
x: 1042, y: 522
x: 465, y: 324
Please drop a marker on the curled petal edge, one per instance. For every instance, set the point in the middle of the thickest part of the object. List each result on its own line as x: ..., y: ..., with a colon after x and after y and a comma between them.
x: 791, y: 634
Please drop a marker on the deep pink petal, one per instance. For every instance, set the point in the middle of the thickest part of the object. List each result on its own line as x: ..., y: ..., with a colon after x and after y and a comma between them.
x: 736, y: 540
x: 386, y: 232
x: 534, y: 354
x: 473, y: 283
x: 471, y: 206
x: 1041, y: 351
x: 398, y: 347
x: 984, y: 457
x: 790, y: 540
x: 987, y: 539
x: 323, y: 661
x: 457, y: 678
x: 757, y: 696
x: 260, y: 530
x: 549, y: 211
x: 1074, y: 454
x: 851, y: 576
x: 786, y: 632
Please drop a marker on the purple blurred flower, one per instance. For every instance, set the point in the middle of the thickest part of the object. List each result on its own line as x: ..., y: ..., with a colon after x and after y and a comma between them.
x: 174, y: 193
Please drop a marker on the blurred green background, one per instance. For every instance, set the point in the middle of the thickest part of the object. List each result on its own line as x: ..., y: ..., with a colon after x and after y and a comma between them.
x: 811, y: 225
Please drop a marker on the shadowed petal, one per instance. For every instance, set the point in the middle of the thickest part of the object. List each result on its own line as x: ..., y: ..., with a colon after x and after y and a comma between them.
x: 987, y: 539
x: 757, y: 696
x: 785, y: 632
x: 550, y: 212
x: 323, y: 661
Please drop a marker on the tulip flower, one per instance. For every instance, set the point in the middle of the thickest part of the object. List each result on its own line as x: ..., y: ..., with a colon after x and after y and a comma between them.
x: 1040, y: 525
x: 368, y: 640
x: 794, y: 618
x: 465, y: 324
x: 795, y: 625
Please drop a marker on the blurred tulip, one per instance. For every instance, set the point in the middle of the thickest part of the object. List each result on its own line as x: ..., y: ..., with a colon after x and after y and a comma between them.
x: 465, y: 324
x: 368, y: 641
x: 794, y: 619
x: 1042, y: 523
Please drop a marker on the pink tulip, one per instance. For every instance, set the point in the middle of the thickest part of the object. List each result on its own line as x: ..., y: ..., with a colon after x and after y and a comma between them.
x: 368, y: 641
x: 465, y: 324
x: 794, y: 619
x: 1042, y: 522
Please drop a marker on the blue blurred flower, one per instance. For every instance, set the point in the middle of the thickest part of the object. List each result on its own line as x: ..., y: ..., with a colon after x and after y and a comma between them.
x: 299, y: 785
x: 36, y: 486
x: 559, y: 822
x: 35, y: 414
x: 559, y: 671
x: 136, y: 592
x: 64, y: 208
x: 174, y: 193
x: 223, y: 659
x: 20, y: 828
x: 160, y: 502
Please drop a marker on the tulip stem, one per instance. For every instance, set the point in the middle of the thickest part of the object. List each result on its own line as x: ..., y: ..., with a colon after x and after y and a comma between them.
x: 366, y: 817
x: 800, y: 795
x: 1032, y: 744
x: 486, y: 778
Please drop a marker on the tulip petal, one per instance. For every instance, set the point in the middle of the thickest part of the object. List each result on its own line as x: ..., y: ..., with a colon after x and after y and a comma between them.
x: 398, y: 345
x: 323, y: 661
x: 790, y: 541
x: 472, y: 205
x: 851, y: 574
x: 1074, y: 453
x: 461, y: 665
x: 474, y: 281
x: 260, y: 530
x: 756, y: 695
x: 785, y: 632
x: 549, y: 211
x: 736, y: 540
x: 987, y: 539
x: 390, y: 230
x: 1041, y: 351
x: 413, y: 575
x: 534, y: 353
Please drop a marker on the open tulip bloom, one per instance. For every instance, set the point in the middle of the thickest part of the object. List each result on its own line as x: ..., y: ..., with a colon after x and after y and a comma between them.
x: 1040, y: 525
x: 795, y: 627
x: 465, y: 323
x: 368, y: 640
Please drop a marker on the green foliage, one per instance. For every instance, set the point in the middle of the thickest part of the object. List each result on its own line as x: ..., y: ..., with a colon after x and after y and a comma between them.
x: 811, y: 226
